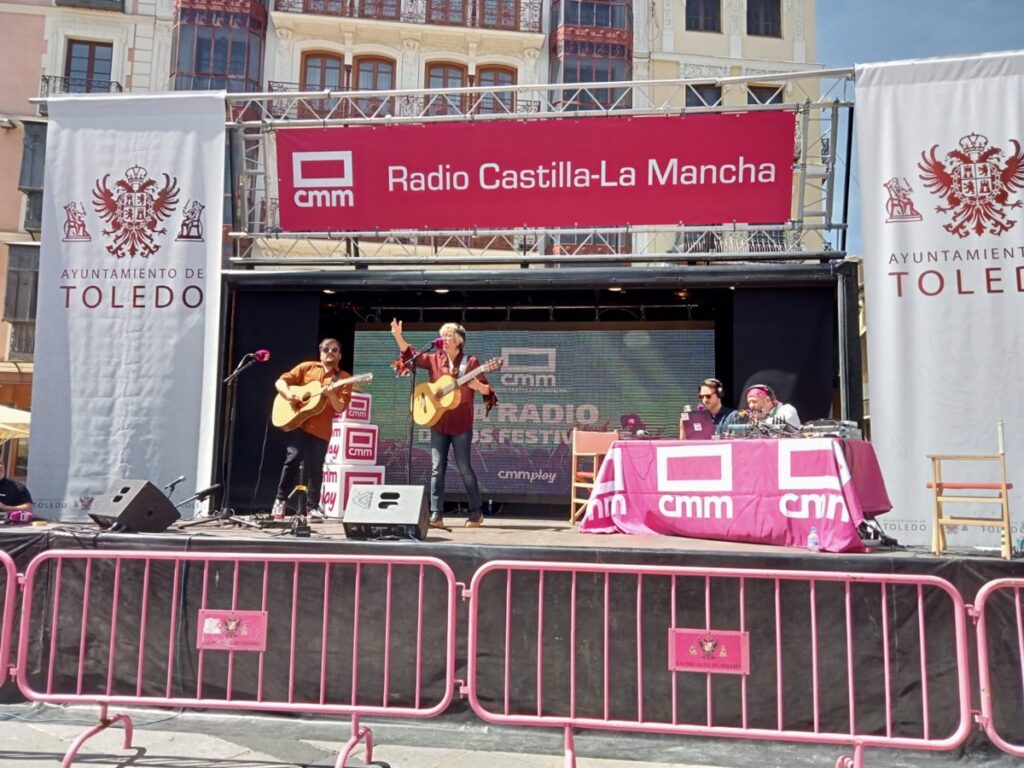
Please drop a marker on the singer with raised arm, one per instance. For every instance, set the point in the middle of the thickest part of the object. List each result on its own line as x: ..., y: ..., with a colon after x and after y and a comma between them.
x: 452, y: 427
x: 307, y: 444
x: 763, y: 407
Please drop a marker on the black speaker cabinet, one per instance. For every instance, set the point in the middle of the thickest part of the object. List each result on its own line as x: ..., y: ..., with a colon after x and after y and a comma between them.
x: 134, y: 506
x: 386, y: 512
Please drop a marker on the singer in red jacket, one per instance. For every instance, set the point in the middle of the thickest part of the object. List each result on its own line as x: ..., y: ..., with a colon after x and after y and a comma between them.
x: 455, y: 429
x: 308, y: 444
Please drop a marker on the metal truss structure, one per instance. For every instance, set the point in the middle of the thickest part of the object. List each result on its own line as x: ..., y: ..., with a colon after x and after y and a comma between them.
x: 820, y: 99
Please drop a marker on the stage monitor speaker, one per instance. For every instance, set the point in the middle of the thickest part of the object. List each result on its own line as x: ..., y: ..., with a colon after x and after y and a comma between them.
x: 134, y: 506
x: 386, y: 512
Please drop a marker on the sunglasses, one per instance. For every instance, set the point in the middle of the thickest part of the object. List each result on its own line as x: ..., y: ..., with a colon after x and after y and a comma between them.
x: 330, y: 349
x: 705, y: 397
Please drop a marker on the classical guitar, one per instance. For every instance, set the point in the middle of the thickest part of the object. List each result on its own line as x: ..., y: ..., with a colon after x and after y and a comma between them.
x: 314, y: 399
x: 433, y: 399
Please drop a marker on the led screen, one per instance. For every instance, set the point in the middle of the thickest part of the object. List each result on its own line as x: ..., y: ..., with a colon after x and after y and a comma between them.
x: 555, y: 376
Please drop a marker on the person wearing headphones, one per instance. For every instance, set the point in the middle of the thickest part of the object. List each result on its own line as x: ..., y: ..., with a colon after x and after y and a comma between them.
x: 710, y: 394
x: 765, y: 408
x: 455, y: 428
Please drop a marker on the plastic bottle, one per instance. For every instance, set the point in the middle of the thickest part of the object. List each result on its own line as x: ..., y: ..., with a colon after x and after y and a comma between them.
x: 812, y: 540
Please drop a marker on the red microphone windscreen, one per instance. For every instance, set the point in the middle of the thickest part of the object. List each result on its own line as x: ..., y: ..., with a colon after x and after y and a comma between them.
x: 262, y: 355
x: 439, y: 342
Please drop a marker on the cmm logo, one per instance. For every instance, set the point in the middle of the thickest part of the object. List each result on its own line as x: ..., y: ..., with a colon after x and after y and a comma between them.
x: 134, y: 210
x: 322, y: 179
x: 529, y: 366
x: 976, y: 185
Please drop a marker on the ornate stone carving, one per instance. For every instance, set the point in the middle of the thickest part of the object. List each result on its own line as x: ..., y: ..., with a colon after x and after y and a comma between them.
x: 691, y: 70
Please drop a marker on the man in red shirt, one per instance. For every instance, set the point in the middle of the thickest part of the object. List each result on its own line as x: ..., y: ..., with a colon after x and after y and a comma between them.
x: 308, y: 443
x: 455, y: 429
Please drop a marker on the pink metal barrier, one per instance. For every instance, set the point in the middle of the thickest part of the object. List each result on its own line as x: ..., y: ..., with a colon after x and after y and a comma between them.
x: 1001, y: 642
x: 238, y: 631
x: 8, y: 590
x: 837, y: 658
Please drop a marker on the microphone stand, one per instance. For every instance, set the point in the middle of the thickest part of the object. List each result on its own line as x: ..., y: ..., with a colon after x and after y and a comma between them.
x: 226, y: 513
x: 412, y: 390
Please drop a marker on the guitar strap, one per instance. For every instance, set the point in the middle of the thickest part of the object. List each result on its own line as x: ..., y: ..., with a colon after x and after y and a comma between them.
x: 464, y: 364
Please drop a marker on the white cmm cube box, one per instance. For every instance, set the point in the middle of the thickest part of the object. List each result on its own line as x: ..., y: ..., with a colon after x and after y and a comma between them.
x: 338, y: 482
x: 352, y: 442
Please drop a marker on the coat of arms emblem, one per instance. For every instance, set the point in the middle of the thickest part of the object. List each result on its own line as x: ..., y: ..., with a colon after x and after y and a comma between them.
x: 976, y: 186
x: 134, y: 209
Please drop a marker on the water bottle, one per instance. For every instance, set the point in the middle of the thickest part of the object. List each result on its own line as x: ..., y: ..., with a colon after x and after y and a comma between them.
x: 812, y: 540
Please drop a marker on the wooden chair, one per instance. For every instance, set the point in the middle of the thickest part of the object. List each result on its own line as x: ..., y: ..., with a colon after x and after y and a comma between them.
x: 940, y: 489
x: 588, y: 450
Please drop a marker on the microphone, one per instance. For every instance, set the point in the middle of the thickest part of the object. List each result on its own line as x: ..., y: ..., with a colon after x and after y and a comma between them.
x: 438, y: 343
x: 169, y: 488
x: 261, y: 355
x: 200, y: 495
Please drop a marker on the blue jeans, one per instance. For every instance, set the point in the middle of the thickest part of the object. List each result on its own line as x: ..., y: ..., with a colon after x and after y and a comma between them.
x: 439, y: 465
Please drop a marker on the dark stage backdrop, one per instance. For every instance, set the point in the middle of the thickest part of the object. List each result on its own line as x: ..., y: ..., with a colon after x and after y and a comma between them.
x: 556, y: 376
x: 288, y: 325
x: 786, y: 338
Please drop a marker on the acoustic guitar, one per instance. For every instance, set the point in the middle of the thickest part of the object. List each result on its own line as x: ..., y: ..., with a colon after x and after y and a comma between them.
x: 433, y: 399
x: 314, y: 399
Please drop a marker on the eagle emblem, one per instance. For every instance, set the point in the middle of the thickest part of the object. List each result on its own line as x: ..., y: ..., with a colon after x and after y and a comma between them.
x: 134, y: 210
x: 976, y: 186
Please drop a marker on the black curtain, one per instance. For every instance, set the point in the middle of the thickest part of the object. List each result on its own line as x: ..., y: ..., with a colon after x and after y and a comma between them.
x: 786, y: 338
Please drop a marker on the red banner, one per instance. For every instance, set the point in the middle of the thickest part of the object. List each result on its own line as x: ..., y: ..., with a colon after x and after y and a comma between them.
x: 694, y: 170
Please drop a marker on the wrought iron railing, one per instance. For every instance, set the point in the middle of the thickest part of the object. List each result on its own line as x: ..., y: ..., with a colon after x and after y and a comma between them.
x: 55, y: 85
x: 23, y: 339
x: 511, y: 15
x: 347, y: 104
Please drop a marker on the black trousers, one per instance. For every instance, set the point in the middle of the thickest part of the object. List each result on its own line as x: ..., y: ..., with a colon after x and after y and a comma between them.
x: 303, y: 448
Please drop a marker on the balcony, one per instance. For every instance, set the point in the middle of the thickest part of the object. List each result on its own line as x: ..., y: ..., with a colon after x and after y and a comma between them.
x: 509, y: 15
x: 349, y: 105
x: 23, y: 340
x: 55, y: 85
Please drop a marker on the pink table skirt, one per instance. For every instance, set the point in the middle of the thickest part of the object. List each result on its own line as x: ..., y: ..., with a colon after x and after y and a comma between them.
x: 759, y: 491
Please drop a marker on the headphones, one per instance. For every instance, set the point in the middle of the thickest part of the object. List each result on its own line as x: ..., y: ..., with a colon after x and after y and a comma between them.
x: 765, y: 387
x: 714, y: 384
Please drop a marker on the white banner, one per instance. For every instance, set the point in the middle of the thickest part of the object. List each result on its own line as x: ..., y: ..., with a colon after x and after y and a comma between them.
x: 129, y: 294
x: 941, y: 147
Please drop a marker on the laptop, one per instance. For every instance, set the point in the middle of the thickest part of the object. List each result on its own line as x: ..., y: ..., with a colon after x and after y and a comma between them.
x: 696, y: 425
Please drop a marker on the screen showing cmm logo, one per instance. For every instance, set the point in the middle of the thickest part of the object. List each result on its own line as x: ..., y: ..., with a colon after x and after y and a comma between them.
x: 529, y: 367
x: 323, y: 179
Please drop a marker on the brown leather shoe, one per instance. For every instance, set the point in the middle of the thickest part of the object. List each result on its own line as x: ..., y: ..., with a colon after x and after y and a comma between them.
x: 474, y: 523
x: 436, y: 522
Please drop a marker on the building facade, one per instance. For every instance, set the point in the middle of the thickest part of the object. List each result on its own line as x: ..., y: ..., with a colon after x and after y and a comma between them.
x: 145, y: 46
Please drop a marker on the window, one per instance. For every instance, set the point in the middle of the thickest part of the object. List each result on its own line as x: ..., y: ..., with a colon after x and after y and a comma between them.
x: 496, y: 77
x: 703, y: 96
x: 764, y: 18
x: 591, y: 13
x: 446, y: 12
x: 320, y: 72
x: 764, y: 94
x: 22, y: 278
x: 499, y: 14
x: 380, y: 9
x: 373, y: 74
x: 214, y: 49
x: 33, y: 159
x: 447, y: 76
x: 704, y: 15
x: 585, y: 62
x: 87, y: 67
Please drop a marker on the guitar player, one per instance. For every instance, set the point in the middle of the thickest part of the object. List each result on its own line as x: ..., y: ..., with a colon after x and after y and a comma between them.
x: 455, y: 427
x: 308, y: 443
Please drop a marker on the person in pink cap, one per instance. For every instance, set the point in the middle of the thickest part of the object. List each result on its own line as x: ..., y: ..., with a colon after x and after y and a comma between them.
x: 765, y: 408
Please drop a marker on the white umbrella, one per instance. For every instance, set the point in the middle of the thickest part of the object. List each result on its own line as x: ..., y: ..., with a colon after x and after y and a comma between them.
x: 14, y: 424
